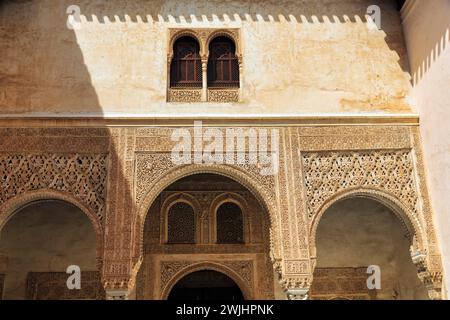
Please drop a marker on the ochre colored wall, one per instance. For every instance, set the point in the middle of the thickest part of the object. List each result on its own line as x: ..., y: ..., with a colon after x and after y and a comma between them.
x: 299, y: 57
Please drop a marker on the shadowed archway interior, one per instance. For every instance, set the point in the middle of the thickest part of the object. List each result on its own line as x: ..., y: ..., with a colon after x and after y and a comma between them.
x: 357, y: 233
x: 206, y: 285
x: 39, y: 243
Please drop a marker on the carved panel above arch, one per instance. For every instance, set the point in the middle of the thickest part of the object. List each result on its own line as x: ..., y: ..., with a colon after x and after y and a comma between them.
x: 328, y: 173
x: 81, y: 175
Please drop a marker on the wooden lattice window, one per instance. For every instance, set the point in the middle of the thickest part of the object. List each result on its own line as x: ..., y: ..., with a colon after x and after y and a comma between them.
x: 186, y: 66
x: 223, y: 66
x: 181, y: 224
x: 229, y: 224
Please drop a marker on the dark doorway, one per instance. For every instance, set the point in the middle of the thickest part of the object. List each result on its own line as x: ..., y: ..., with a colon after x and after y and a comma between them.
x: 206, y: 285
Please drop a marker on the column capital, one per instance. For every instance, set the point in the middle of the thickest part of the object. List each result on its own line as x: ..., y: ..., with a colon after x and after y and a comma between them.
x: 115, y: 294
x: 298, y: 294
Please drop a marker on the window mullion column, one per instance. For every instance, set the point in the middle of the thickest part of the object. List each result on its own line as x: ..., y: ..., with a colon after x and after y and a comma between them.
x: 204, y: 78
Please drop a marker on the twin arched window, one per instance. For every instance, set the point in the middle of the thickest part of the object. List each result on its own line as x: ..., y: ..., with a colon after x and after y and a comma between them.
x: 181, y: 224
x: 186, y: 65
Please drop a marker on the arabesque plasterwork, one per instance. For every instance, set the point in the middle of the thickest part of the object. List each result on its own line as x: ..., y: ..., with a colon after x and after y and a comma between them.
x: 318, y: 166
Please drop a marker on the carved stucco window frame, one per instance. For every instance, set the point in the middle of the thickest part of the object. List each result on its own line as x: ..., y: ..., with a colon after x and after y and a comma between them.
x: 204, y: 36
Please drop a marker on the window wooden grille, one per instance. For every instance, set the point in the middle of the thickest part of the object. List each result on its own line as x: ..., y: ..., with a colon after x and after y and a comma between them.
x: 223, y: 66
x: 181, y: 224
x: 186, y: 66
x: 229, y: 224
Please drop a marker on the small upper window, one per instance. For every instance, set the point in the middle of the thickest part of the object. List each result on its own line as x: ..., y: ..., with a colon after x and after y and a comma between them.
x: 186, y: 66
x: 223, y: 66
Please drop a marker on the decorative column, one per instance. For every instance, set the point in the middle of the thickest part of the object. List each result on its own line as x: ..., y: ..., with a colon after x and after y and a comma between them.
x: 296, y: 287
x: 204, y: 78
x: 117, y: 295
x: 432, y: 281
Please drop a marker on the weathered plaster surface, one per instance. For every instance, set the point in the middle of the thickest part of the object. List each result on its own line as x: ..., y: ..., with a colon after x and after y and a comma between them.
x: 299, y: 57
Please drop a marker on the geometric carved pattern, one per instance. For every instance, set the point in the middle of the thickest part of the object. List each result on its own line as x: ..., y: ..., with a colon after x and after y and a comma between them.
x: 327, y: 173
x: 341, y: 283
x: 181, y: 223
x: 184, y: 95
x: 229, y: 224
x: 53, y: 286
x: 83, y: 176
x: 223, y: 95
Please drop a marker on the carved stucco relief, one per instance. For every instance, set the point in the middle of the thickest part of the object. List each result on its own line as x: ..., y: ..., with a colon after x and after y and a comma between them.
x: 383, y: 162
x: 155, y: 171
x: 389, y: 176
x: 82, y: 176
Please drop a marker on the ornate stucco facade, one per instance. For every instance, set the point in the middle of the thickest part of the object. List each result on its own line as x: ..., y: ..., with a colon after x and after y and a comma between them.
x: 87, y: 116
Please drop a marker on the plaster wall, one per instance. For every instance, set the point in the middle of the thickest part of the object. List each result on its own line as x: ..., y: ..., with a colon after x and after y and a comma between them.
x: 299, y: 57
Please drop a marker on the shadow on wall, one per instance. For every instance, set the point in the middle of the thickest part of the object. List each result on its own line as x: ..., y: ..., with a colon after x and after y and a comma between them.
x: 53, y: 75
x: 301, y: 11
x: 248, y: 11
x: 42, y: 64
x: 428, y: 42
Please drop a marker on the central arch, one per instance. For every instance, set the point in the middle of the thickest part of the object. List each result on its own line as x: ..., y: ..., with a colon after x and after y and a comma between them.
x: 202, y: 190
x: 226, y: 171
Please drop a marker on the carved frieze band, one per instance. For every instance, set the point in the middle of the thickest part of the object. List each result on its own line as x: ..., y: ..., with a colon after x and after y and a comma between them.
x: 341, y: 283
x: 223, y: 95
x: 52, y: 286
x: 184, y: 95
x: 83, y: 176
